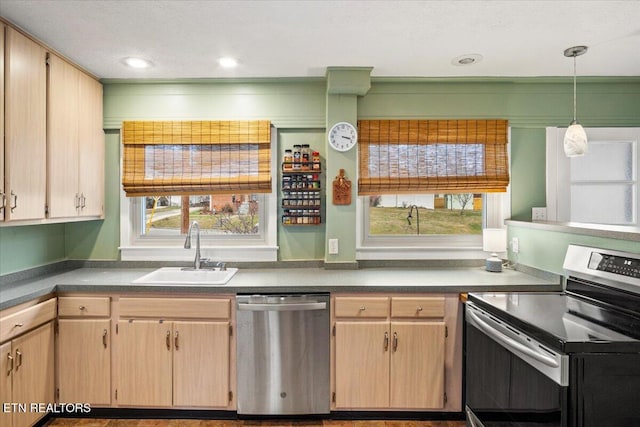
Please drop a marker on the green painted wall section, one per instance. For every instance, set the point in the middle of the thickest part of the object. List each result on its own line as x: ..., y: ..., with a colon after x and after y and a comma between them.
x: 302, y: 108
x: 31, y: 246
x: 303, y: 242
x: 293, y: 103
x: 545, y: 250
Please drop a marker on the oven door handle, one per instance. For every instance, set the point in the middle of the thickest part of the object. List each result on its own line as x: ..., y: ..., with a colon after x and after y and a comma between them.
x: 510, y: 342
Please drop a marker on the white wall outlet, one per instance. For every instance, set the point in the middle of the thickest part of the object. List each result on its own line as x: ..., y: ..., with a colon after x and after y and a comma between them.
x: 333, y: 247
x: 515, y: 245
x: 538, y: 214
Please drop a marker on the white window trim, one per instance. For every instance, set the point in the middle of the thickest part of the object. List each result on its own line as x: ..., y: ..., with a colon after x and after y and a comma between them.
x: 239, y: 249
x: 558, y: 166
x: 497, y: 210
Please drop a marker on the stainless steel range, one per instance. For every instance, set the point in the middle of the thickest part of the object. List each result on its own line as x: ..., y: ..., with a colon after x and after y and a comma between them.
x: 568, y: 359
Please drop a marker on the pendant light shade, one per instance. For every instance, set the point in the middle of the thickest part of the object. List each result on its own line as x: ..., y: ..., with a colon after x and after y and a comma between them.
x: 575, y: 139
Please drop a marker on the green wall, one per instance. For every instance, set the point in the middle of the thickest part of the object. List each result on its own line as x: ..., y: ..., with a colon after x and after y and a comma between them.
x: 301, y: 109
x: 31, y: 246
x: 545, y: 250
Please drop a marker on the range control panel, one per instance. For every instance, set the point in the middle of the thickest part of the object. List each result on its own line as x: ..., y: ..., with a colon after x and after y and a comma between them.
x: 615, y: 264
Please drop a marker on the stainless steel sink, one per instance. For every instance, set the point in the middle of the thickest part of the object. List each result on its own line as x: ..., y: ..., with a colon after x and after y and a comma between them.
x: 187, y: 276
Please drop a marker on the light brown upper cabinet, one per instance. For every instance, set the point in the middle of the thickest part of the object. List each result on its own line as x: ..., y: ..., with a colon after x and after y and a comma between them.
x: 75, y: 139
x: 25, y: 112
x: 3, y: 198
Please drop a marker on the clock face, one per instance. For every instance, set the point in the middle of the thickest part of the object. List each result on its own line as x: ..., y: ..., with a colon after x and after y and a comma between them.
x: 343, y: 136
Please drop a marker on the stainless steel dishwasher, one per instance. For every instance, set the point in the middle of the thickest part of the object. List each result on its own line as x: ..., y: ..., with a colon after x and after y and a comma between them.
x: 283, y: 354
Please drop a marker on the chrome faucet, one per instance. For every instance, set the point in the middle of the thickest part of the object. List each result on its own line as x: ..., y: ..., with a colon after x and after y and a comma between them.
x: 187, y: 245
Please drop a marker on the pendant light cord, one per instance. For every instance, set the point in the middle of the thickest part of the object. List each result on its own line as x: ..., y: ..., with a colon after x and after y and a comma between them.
x: 574, y: 88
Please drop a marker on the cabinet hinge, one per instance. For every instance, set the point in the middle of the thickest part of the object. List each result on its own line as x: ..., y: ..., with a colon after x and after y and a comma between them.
x: 46, y: 209
x: 116, y: 329
x: 116, y: 394
x: 445, y: 397
x: 333, y: 330
x: 230, y: 330
x: 333, y: 397
x: 46, y: 59
x: 230, y: 396
x: 446, y: 331
x: 56, y: 327
x: 58, y: 394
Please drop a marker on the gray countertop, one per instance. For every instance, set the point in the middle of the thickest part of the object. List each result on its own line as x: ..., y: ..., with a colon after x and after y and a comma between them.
x: 119, y: 280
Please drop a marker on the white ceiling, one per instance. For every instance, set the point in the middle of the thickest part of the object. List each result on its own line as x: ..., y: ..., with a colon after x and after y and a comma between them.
x: 184, y: 38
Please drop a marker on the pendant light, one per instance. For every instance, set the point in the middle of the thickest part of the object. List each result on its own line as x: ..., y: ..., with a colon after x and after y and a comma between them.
x: 575, y: 139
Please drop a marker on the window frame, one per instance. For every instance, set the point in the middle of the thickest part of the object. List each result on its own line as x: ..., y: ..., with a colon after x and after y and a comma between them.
x: 232, y: 248
x: 558, y: 185
x: 496, y: 209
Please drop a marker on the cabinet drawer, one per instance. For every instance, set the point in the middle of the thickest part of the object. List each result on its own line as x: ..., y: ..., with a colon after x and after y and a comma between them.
x: 417, y: 307
x: 24, y: 320
x: 84, y: 306
x: 178, y: 308
x: 362, y: 307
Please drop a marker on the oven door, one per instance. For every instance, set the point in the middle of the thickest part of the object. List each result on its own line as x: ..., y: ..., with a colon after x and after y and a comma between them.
x: 511, y: 379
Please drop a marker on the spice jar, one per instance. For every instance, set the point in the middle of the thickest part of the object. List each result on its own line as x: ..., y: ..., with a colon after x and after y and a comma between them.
x: 315, y: 157
x: 306, y: 157
x: 288, y: 160
x: 297, y: 157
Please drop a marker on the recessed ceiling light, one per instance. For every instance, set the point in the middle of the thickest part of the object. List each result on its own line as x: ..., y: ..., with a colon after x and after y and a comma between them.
x: 466, y: 59
x: 134, y: 62
x: 227, y: 62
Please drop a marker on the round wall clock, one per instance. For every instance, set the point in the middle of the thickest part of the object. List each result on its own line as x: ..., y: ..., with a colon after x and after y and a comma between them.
x: 343, y: 136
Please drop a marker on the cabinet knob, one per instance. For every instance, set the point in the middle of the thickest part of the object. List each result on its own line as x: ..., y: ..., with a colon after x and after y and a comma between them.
x: 363, y: 308
x: 19, y: 325
x: 419, y: 309
x: 82, y: 308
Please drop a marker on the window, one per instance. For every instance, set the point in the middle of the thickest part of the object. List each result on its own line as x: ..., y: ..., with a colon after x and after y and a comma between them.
x: 216, y: 173
x: 429, y: 187
x: 600, y: 187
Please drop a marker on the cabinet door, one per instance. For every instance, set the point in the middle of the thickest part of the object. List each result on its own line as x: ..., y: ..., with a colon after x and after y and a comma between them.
x: 201, y: 364
x: 33, y: 372
x: 2, y: 193
x: 91, y: 148
x: 362, y: 364
x: 62, y: 139
x: 417, y: 364
x: 6, y: 373
x: 84, y: 362
x: 144, y: 363
x: 25, y: 127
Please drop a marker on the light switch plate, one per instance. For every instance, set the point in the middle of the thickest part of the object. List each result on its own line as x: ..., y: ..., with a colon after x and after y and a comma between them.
x: 333, y: 247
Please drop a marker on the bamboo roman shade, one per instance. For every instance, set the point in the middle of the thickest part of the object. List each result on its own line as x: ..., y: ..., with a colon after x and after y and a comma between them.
x: 196, y: 157
x: 432, y: 156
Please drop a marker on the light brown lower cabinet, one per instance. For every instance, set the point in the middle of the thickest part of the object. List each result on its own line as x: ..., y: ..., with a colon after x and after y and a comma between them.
x: 392, y: 352
x: 182, y: 364
x: 179, y: 363
x: 84, y: 361
x: 27, y: 376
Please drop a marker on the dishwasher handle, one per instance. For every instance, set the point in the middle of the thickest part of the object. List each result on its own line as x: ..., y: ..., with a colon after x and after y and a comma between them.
x: 307, y: 306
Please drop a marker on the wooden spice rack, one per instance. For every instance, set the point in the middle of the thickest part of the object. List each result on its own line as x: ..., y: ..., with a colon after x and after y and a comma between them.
x: 301, y: 196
